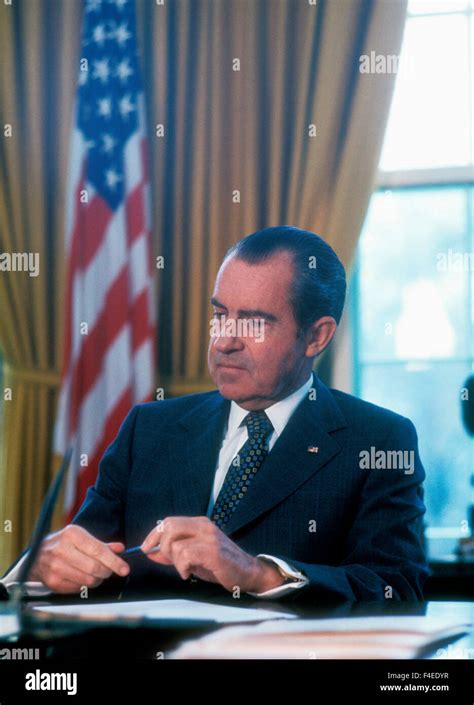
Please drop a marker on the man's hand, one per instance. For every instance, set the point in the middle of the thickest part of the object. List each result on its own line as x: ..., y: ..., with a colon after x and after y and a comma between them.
x: 72, y: 558
x: 195, y: 545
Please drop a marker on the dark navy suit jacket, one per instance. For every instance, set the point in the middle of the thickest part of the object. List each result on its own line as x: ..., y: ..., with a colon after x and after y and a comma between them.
x: 356, y: 533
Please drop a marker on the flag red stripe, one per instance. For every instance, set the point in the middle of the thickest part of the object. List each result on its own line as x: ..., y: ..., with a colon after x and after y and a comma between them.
x: 135, y: 214
x: 87, y: 367
x: 87, y: 476
x: 140, y: 320
x: 96, y: 218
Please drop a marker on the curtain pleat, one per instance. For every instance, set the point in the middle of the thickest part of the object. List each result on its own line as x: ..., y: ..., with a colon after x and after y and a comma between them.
x: 39, y: 44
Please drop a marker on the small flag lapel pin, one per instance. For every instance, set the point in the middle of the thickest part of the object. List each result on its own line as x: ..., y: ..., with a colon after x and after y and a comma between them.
x: 313, y: 449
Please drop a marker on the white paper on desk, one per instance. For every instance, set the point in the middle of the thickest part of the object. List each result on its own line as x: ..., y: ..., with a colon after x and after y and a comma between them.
x: 167, y: 609
x: 398, y: 637
x: 9, y: 624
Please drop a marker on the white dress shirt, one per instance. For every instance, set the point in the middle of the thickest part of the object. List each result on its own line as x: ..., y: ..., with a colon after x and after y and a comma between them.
x: 235, y: 437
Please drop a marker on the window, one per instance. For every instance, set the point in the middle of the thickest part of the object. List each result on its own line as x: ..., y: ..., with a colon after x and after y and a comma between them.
x: 414, y: 275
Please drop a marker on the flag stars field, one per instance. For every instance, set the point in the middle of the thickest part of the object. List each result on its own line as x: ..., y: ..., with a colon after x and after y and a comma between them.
x: 101, y: 70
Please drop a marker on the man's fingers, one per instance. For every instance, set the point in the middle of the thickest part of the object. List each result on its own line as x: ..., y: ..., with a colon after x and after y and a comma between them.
x: 190, y: 558
x: 72, y: 558
x: 116, y: 546
x: 90, y: 566
x: 174, y: 529
x: 61, y: 571
x: 158, y: 557
x: 100, y: 552
x: 65, y: 587
x: 170, y: 538
x: 175, y: 532
x: 177, y: 556
x: 185, y: 556
x: 153, y: 538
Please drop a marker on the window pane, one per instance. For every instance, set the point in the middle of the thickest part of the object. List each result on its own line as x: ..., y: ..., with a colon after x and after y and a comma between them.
x: 429, y: 123
x: 413, y: 298
x: 430, y: 396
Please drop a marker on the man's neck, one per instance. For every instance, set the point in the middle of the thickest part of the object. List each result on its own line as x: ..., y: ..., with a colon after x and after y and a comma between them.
x: 262, y: 404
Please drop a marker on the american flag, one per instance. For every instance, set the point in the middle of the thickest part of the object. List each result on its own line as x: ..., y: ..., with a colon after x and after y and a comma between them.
x: 109, y: 352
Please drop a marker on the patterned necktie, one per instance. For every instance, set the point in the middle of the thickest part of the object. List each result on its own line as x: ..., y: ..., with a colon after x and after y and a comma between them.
x: 244, y: 467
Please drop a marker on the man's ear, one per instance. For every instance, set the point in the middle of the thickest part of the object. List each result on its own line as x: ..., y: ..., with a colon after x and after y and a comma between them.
x: 319, y: 335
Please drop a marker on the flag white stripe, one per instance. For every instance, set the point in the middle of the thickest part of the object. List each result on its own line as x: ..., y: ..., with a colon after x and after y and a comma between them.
x: 142, y: 371
x: 61, y: 429
x: 111, y: 384
x: 76, y: 160
x: 133, y: 162
x: 100, y: 276
x: 91, y: 286
x: 143, y: 365
x: 138, y: 266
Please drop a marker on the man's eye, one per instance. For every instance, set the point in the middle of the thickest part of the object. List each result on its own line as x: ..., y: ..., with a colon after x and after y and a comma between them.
x: 254, y: 321
x: 218, y: 314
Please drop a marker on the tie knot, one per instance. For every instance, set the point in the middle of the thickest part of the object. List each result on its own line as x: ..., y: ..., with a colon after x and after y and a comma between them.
x: 258, y: 424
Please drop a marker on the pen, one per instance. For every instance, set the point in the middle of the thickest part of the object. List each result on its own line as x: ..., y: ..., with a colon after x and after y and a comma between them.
x: 137, y: 549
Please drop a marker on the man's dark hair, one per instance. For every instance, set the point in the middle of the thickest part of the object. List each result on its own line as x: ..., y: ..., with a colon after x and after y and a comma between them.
x: 319, y: 282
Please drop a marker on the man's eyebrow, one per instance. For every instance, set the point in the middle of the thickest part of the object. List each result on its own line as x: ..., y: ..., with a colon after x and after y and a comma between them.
x: 215, y: 302
x: 249, y: 313
x: 256, y: 313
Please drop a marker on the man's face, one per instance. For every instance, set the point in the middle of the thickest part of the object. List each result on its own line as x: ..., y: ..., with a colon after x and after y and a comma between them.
x: 252, y: 373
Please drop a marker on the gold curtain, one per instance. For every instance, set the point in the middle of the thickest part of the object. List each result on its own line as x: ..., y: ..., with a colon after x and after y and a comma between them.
x: 248, y: 130
x: 38, y: 57
x: 226, y: 131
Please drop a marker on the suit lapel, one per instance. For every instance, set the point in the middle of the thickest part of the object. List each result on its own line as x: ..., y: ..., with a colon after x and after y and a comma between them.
x: 289, y: 463
x: 194, y: 453
x: 199, y: 434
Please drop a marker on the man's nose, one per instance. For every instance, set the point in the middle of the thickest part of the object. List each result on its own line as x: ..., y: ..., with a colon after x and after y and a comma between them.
x: 226, y: 343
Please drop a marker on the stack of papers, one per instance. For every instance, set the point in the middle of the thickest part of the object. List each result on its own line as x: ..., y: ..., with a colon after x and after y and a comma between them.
x: 349, y: 638
x: 150, y: 610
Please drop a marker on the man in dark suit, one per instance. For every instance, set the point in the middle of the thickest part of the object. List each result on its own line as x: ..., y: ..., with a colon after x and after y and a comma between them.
x: 273, y: 486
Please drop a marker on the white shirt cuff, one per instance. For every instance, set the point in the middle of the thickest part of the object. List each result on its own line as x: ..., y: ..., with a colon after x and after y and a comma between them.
x: 34, y: 589
x: 300, y: 579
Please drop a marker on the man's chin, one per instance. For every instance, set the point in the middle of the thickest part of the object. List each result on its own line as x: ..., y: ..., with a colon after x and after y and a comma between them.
x: 231, y: 390
x: 230, y: 385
